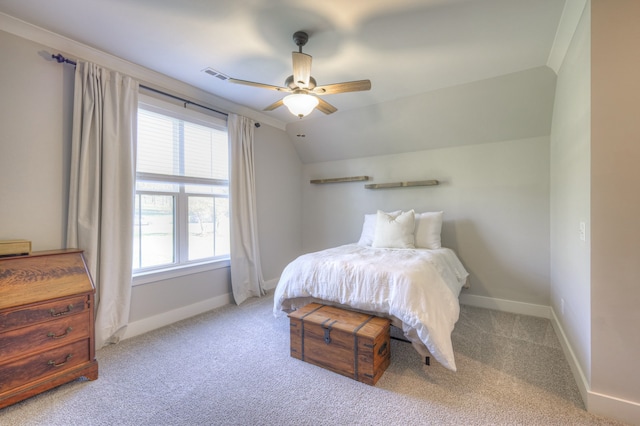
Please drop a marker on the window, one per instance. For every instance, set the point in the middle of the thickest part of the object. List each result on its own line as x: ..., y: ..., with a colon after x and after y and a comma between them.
x: 182, y: 188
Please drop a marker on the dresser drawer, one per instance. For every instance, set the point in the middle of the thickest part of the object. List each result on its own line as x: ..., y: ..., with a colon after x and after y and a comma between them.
x: 41, y: 365
x: 46, y: 335
x: 36, y: 313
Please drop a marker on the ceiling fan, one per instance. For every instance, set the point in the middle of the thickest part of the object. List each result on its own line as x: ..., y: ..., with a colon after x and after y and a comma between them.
x: 302, y: 86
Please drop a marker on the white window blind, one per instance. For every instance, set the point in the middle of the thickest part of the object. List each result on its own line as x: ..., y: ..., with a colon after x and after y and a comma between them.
x: 173, y: 146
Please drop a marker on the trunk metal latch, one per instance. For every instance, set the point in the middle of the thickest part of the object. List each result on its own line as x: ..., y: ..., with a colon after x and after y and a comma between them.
x: 327, y: 330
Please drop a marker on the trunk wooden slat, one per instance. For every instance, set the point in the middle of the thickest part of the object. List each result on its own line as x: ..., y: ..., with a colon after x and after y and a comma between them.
x: 350, y: 343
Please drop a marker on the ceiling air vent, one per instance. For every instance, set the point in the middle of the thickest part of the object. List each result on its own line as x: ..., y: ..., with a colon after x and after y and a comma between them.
x: 216, y: 74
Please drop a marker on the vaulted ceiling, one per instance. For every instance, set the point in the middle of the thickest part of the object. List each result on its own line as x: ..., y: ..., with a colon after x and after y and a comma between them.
x: 405, y: 47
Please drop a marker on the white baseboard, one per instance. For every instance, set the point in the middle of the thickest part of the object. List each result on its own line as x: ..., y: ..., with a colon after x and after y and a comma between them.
x: 596, y: 403
x: 569, y: 354
x: 166, y: 318
x: 615, y: 408
x: 271, y: 284
x: 506, y: 305
x: 148, y: 324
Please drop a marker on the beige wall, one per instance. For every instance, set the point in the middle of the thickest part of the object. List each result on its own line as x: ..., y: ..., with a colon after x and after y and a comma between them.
x: 595, y: 145
x: 495, y: 198
x: 35, y: 133
x: 279, y: 200
x: 615, y: 199
x: 570, y: 198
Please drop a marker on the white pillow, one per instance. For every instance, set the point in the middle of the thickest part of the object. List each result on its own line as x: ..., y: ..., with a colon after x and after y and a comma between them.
x: 394, y: 231
x: 428, y: 229
x: 369, y: 228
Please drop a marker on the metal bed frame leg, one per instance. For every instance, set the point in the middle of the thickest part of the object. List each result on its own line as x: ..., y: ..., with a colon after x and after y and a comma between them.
x: 427, y: 359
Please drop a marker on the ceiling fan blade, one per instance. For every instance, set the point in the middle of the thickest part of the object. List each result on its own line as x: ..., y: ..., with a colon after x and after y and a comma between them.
x: 274, y: 105
x: 349, y: 86
x: 260, y: 85
x: 301, y: 69
x: 326, y: 107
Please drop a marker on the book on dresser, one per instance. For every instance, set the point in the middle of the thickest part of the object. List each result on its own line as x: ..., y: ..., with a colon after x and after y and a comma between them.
x: 47, y: 335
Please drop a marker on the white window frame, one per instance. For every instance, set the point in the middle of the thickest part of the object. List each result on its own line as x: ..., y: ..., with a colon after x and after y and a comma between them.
x: 182, y: 267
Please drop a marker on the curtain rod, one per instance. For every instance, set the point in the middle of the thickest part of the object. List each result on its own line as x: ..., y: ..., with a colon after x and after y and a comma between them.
x: 62, y: 59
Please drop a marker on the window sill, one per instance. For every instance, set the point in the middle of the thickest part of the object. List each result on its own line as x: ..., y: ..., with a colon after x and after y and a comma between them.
x: 178, y: 271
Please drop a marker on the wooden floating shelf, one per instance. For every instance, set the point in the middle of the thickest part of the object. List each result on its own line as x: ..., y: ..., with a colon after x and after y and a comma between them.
x: 402, y: 184
x: 342, y: 179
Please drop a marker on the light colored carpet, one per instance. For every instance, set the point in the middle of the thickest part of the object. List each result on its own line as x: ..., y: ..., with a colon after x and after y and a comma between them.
x: 231, y: 366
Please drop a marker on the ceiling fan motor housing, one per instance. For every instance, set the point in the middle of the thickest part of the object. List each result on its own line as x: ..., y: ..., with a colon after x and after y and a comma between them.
x: 293, y: 86
x: 300, y: 38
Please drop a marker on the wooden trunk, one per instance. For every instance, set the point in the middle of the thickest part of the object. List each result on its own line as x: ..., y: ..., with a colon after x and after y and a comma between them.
x: 46, y: 323
x: 350, y: 343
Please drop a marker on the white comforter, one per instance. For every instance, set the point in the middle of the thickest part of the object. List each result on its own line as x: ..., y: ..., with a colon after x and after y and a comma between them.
x: 417, y: 288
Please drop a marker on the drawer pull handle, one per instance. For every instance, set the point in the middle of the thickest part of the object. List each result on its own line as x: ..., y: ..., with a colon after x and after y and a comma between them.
x: 53, y: 363
x: 57, y: 314
x: 53, y: 336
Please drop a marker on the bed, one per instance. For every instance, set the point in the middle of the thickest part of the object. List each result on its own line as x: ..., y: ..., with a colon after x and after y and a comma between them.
x: 397, y: 270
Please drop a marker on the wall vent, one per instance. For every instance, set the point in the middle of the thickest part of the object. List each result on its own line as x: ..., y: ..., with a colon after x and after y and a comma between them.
x: 216, y: 74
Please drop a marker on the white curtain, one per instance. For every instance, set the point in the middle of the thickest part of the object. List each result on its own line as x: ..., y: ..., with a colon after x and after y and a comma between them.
x: 102, y: 189
x: 246, y: 272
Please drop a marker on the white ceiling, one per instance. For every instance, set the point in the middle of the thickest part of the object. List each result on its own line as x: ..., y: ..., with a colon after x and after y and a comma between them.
x: 405, y: 47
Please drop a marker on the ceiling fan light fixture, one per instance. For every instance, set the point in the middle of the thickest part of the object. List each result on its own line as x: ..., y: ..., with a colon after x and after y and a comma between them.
x: 300, y: 104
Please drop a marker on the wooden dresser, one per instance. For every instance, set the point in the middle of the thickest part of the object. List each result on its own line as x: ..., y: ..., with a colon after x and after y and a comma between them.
x: 46, y: 323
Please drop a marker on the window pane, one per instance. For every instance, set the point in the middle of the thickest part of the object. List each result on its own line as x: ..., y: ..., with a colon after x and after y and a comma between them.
x: 201, y: 221
x: 154, y: 231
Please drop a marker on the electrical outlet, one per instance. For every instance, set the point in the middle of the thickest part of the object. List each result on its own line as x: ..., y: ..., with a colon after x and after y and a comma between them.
x: 562, y: 306
x: 583, y: 231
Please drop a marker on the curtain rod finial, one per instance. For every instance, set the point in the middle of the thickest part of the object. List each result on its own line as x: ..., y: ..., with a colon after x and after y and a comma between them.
x: 61, y: 59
